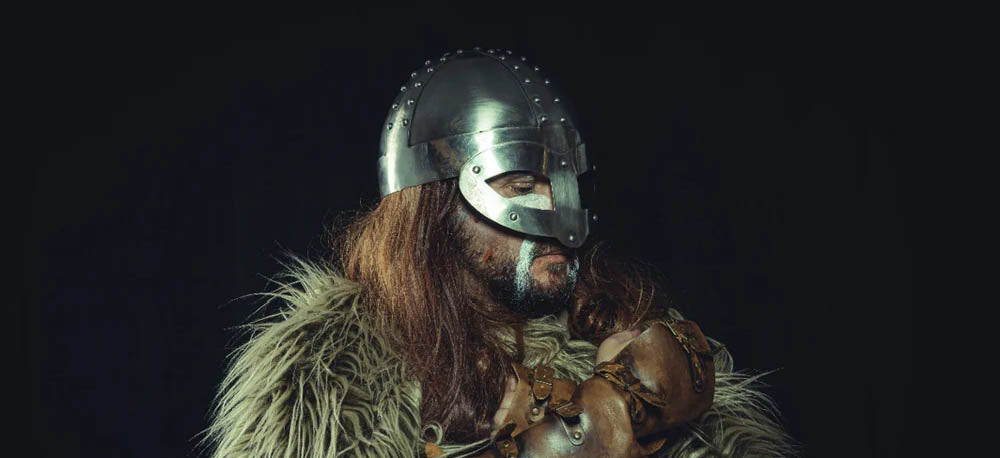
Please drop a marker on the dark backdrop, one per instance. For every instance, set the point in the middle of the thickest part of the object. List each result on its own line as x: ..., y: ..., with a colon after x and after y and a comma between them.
x: 752, y: 156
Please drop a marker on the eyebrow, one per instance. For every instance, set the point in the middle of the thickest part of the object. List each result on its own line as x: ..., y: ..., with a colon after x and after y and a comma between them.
x: 519, y: 175
x: 509, y: 177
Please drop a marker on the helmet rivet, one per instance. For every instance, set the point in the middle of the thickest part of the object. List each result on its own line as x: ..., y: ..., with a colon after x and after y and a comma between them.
x: 388, y: 126
x: 594, y: 217
x: 413, y: 75
x: 538, y: 69
x: 395, y: 106
x: 503, y: 57
x: 411, y: 102
x: 548, y: 82
x: 572, y: 238
x: 509, y: 53
x: 430, y: 69
x: 406, y: 122
x: 543, y: 118
x: 427, y: 62
x: 459, y: 51
x: 523, y: 58
x: 527, y: 81
x: 418, y: 84
x: 443, y: 59
x: 556, y: 100
x: 562, y: 162
x: 593, y: 167
x: 562, y: 119
x: 517, y: 67
x: 490, y: 51
x: 476, y: 169
x: 537, y: 100
x: 512, y: 216
x: 577, y: 435
x: 534, y: 410
x: 402, y: 89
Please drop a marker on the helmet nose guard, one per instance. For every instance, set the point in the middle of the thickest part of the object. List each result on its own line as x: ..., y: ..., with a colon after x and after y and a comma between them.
x: 476, y: 115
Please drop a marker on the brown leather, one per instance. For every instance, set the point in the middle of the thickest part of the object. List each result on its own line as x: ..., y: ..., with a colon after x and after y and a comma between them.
x: 635, y: 393
x: 665, y: 377
x: 694, y: 344
x: 672, y: 361
x: 520, y: 416
x: 431, y: 450
x: 542, y: 385
x: 537, y: 393
x: 507, y: 448
x: 562, y: 399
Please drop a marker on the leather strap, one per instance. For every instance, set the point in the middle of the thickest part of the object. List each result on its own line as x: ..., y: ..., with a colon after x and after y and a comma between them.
x: 562, y: 403
x: 541, y: 387
x: 687, y: 334
x: 662, y: 379
x: 537, y: 393
x: 621, y: 376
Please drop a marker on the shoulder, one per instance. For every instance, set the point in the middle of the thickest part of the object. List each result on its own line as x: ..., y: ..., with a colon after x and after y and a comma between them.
x: 317, y: 377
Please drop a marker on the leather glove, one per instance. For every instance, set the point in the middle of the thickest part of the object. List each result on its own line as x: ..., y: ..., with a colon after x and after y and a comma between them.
x: 662, y: 378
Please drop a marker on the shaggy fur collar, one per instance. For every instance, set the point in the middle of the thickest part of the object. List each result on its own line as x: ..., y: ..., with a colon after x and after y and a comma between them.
x: 318, y: 380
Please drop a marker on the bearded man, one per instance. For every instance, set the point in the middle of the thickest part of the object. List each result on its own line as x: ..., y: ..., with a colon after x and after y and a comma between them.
x: 463, y: 315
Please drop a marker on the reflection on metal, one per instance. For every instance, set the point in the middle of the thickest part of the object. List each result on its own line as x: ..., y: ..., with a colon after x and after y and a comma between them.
x: 568, y: 222
x: 475, y: 118
x: 539, y: 201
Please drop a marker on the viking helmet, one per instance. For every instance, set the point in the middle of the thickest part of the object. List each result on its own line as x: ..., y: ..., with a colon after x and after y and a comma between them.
x: 476, y: 115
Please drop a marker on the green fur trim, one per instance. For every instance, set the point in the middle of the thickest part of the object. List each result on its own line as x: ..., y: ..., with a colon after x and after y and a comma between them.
x: 317, y: 380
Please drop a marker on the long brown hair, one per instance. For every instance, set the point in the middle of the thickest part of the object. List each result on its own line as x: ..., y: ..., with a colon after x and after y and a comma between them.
x: 404, y: 253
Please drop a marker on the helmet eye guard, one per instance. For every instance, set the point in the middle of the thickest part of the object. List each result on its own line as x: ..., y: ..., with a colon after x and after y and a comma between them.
x: 524, y: 188
x: 556, y: 213
x: 477, y: 116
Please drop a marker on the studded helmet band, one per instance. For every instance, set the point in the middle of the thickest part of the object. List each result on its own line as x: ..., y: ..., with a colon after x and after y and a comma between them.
x: 478, y: 115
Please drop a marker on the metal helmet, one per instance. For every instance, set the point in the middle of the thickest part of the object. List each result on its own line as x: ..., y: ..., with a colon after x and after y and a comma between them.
x: 477, y: 115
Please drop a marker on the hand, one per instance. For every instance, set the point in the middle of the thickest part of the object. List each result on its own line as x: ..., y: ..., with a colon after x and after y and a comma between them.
x: 614, y: 344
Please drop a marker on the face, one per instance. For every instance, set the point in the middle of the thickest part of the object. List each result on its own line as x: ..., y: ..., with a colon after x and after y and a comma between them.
x: 531, y: 275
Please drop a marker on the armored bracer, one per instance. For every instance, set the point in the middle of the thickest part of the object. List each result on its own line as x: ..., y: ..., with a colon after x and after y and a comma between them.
x: 664, y: 378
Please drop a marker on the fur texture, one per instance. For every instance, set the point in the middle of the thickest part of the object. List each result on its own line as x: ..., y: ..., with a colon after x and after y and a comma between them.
x: 316, y: 380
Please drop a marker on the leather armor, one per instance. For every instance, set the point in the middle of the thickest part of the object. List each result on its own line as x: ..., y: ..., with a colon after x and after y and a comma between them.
x: 664, y: 378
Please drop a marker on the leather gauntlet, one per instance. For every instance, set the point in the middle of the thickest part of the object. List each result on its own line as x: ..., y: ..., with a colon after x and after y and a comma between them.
x: 665, y: 377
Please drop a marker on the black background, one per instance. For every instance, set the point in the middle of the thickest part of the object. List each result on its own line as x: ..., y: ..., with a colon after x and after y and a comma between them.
x: 752, y: 156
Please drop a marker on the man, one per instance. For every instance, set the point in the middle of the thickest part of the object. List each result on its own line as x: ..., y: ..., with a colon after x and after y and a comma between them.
x: 463, y: 316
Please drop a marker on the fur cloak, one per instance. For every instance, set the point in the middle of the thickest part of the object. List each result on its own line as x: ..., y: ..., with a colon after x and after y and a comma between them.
x: 318, y: 380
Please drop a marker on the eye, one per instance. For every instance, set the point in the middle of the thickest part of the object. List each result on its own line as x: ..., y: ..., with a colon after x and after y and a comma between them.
x: 522, y: 188
x: 518, y: 183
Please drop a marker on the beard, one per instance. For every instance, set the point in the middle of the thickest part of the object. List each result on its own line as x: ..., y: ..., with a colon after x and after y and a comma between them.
x: 510, y: 282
